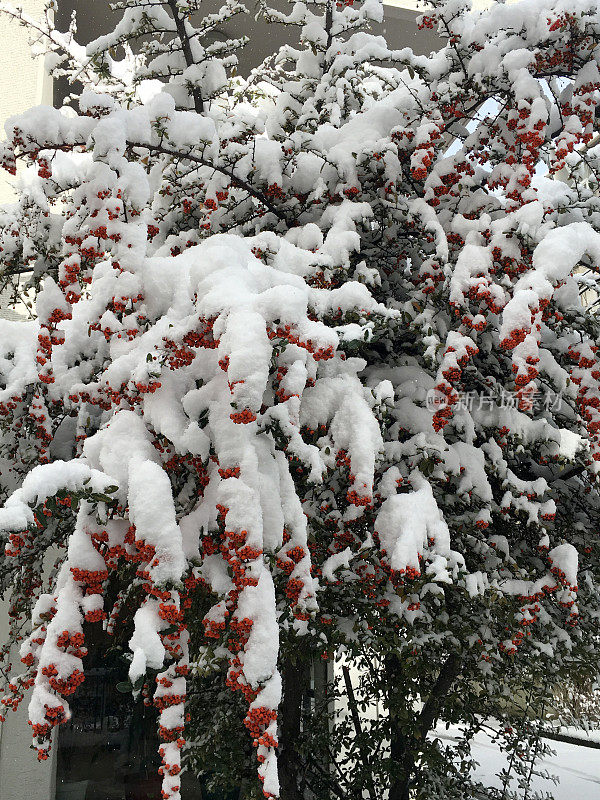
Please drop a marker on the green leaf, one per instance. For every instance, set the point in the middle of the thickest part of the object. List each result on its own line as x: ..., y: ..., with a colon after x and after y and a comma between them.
x: 98, y: 497
x: 171, y: 629
x: 426, y: 466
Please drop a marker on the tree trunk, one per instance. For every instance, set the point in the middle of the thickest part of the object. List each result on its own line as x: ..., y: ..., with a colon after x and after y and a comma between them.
x: 404, y: 748
x: 295, y: 683
x: 403, y: 757
x: 400, y: 752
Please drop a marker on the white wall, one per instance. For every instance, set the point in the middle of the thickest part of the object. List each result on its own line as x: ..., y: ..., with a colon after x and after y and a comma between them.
x: 22, y: 776
x: 22, y: 80
x: 22, y: 85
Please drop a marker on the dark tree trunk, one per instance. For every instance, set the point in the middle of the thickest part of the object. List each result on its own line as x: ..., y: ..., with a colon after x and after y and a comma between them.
x: 431, y: 710
x: 295, y: 677
x: 186, y: 48
x: 407, y: 741
x: 400, y: 743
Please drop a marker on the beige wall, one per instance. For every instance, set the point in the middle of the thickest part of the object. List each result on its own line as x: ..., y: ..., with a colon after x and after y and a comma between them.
x: 22, y: 80
x: 22, y: 85
x: 22, y: 777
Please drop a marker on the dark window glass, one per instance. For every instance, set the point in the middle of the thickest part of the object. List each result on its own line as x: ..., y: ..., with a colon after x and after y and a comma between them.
x: 109, y: 749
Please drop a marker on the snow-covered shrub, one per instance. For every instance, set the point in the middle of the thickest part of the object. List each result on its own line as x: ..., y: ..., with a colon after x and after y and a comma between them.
x: 310, y: 374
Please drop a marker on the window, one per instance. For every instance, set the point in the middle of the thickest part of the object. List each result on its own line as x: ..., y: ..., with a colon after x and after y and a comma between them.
x: 109, y: 749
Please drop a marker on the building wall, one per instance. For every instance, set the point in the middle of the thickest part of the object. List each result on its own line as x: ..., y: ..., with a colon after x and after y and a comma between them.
x: 23, y: 82
x: 399, y: 27
x: 22, y: 776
